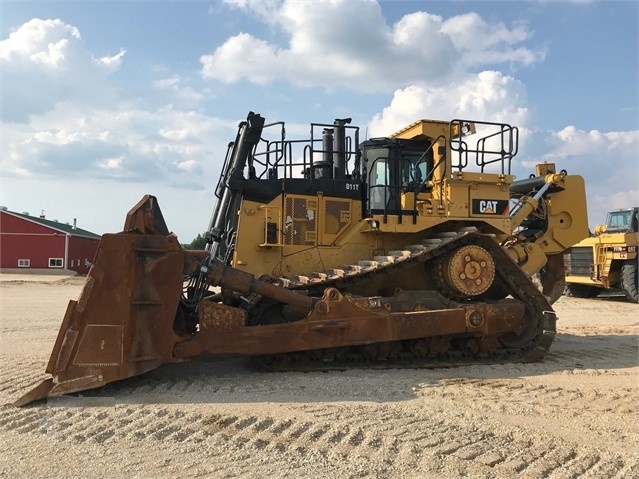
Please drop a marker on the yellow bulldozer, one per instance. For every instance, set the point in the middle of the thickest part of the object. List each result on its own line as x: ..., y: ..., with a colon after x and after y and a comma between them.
x: 413, y: 250
x: 606, y: 261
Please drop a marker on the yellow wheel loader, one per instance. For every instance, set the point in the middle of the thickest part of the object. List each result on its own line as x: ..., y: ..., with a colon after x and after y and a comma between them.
x: 414, y: 250
x: 607, y: 260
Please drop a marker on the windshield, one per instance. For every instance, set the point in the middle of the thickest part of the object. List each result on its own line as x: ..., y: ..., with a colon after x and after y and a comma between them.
x: 618, y: 220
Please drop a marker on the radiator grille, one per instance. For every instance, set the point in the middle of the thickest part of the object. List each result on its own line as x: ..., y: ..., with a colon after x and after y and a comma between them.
x: 579, y: 261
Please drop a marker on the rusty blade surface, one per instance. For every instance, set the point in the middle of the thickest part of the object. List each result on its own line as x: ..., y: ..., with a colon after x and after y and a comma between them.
x: 552, y: 277
x: 122, y: 323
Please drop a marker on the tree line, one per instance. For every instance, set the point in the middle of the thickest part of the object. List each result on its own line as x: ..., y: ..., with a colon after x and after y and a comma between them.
x: 198, y: 243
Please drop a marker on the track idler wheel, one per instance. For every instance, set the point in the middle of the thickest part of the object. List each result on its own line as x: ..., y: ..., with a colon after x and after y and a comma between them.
x: 468, y: 271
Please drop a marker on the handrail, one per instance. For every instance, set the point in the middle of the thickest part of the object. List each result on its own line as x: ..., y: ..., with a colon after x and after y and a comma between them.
x: 505, y: 136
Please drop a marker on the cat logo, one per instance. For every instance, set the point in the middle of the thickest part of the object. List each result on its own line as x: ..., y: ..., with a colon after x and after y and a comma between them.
x: 490, y: 207
x: 487, y: 206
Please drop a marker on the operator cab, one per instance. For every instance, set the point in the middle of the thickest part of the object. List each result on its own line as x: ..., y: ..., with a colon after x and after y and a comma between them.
x: 392, y: 166
x: 623, y: 221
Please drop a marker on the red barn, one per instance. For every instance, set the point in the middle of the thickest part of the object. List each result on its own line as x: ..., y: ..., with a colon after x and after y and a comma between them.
x: 36, y: 243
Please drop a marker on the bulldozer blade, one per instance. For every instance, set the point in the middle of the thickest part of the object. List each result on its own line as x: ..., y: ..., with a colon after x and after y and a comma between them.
x: 122, y: 324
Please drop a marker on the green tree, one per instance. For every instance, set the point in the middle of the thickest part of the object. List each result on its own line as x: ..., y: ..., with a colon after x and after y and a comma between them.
x: 198, y: 243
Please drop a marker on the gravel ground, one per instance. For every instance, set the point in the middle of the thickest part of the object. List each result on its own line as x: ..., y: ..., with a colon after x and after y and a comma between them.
x: 574, y: 415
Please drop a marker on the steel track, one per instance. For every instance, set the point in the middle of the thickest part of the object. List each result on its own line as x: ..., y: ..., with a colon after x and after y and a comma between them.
x: 441, y: 351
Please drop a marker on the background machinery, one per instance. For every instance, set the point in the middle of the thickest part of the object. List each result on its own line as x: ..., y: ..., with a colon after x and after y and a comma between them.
x: 607, y: 260
x: 329, y: 252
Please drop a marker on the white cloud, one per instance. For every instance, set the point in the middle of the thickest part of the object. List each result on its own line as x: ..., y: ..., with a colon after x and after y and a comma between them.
x: 39, y: 41
x: 181, y: 96
x: 267, y: 11
x: 484, y: 44
x: 63, y: 119
x: 112, y: 163
x: 164, y: 145
x: 489, y: 96
x: 350, y: 44
x: 44, y: 62
x: 112, y: 63
x: 614, y: 149
x: 245, y: 56
x: 188, y: 165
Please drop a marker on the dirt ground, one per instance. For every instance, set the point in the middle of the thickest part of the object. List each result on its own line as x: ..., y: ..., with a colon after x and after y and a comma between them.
x: 574, y: 415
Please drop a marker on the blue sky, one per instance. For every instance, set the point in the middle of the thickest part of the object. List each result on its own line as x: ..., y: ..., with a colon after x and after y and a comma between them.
x: 103, y: 102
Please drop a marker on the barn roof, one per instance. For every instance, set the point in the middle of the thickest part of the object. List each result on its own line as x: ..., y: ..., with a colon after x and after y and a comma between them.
x: 62, y: 227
